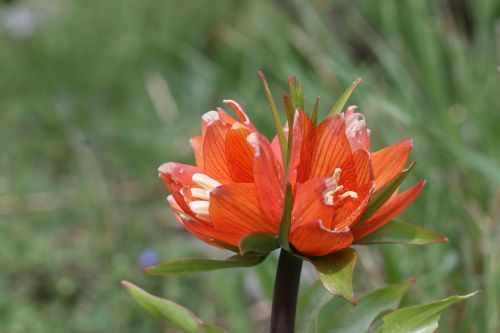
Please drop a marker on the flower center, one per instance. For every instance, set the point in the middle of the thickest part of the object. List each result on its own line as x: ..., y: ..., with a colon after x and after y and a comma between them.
x: 333, y: 188
x: 207, y: 184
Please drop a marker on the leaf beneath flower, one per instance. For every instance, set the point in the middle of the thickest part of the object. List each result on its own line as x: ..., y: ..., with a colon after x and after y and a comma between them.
x: 335, y: 272
x: 258, y: 243
x: 196, y: 265
x: 350, y: 319
x: 169, y: 311
x: 309, y: 305
x: 418, y: 318
x: 399, y: 232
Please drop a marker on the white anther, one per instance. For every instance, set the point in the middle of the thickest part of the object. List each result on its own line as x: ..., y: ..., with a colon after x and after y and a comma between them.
x: 350, y: 194
x: 205, y: 181
x: 200, y: 193
x: 253, y: 140
x: 336, y: 174
x: 200, y: 208
x: 210, y: 116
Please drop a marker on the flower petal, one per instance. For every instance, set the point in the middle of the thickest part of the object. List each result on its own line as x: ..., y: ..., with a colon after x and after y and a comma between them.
x: 313, y: 239
x: 234, y: 208
x: 197, y: 145
x: 214, y: 155
x: 393, y: 207
x: 356, y: 130
x: 177, y: 177
x: 309, y: 203
x: 363, y: 167
x: 388, y: 162
x: 239, y: 155
x: 302, y: 128
x: 329, y: 148
x: 240, y: 113
x: 350, y: 210
x: 268, y: 177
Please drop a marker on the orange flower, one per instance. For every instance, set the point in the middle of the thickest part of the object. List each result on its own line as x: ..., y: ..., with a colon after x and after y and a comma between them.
x: 238, y: 184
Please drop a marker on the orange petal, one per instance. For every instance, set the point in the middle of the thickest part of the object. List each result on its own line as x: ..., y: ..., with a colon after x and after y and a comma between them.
x: 239, y: 155
x: 197, y: 145
x: 313, y: 239
x: 356, y: 130
x: 214, y: 155
x: 388, y: 162
x: 349, y: 210
x: 276, y: 148
x: 240, y: 113
x: 309, y: 204
x: 329, y: 148
x: 177, y: 177
x: 363, y: 167
x: 393, y: 207
x: 302, y: 128
x: 234, y: 208
x: 268, y: 177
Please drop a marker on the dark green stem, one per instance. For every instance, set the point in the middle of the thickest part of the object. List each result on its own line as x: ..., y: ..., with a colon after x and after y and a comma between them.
x: 286, y: 288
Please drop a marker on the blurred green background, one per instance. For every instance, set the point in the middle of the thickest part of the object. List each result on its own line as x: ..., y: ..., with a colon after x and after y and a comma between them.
x: 94, y: 95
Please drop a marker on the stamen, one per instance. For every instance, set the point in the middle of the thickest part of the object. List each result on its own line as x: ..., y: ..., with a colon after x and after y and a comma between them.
x: 200, y: 193
x: 200, y: 208
x: 205, y: 181
x: 350, y: 194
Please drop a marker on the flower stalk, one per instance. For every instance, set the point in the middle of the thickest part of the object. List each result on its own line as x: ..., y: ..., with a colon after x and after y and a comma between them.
x: 286, y: 287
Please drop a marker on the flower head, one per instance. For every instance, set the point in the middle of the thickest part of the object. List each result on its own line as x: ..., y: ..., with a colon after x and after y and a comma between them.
x: 237, y: 187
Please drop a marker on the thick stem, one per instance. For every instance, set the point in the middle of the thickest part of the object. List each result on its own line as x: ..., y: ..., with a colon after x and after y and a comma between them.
x: 286, y: 288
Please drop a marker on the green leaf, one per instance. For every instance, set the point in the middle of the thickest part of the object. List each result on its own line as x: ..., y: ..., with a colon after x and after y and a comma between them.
x: 341, y: 102
x: 259, y: 243
x: 335, y: 272
x: 169, y: 311
x: 356, y: 319
x: 383, y: 194
x: 196, y: 265
x: 314, y: 116
x: 399, y: 232
x: 309, y: 305
x: 286, y: 220
x: 418, y: 318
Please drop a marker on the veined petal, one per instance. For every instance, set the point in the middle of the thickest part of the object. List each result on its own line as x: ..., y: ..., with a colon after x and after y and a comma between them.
x: 177, y: 177
x: 214, y: 155
x: 197, y: 145
x: 314, y: 239
x: 388, y: 162
x: 239, y: 155
x: 393, y: 207
x: 302, y: 128
x: 328, y: 150
x: 350, y: 210
x: 363, y: 167
x: 268, y: 177
x: 240, y: 113
x: 235, y: 208
x: 309, y: 203
x: 276, y: 148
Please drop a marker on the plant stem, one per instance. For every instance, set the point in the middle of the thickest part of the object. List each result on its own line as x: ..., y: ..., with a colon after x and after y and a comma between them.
x: 286, y: 288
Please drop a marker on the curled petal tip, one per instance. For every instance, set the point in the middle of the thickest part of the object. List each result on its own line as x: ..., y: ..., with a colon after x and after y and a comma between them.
x: 166, y: 168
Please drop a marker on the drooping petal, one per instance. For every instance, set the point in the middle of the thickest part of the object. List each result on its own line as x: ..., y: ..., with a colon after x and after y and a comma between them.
x: 388, y: 162
x: 309, y: 204
x: 302, y: 128
x: 363, y: 167
x: 328, y: 150
x: 314, y: 239
x: 214, y: 155
x: 268, y: 177
x: 393, y: 207
x: 177, y: 177
x: 356, y: 130
x: 235, y: 208
x: 240, y: 113
x: 239, y: 155
x: 197, y: 145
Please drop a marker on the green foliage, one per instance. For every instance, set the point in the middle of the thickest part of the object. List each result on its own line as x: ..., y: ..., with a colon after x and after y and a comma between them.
x: 335, y: 272
x: 341, y: 102
x: 259, y: 243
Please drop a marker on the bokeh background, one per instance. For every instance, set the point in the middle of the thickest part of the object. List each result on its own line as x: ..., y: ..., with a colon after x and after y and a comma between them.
x: 95, y: 95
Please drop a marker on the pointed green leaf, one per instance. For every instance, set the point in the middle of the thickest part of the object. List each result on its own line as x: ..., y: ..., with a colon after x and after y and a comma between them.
x: 196, y: 265
x: 341, y: 102
x: 418, y: 318
x: 383, y: 194
x: 169, y: 311
x: 259, y: 243
x: 314, y: 116
x: 286, y: 219
x: 355, y: 319
x: 309, y: 305
x: 335, y: 272
x: 399, y: 232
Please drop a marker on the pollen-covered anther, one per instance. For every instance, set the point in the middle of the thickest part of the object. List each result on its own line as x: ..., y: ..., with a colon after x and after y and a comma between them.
x: 205, y: 181
x: 200, y: 208
x: 333, y: 188
x: 348, y: 194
